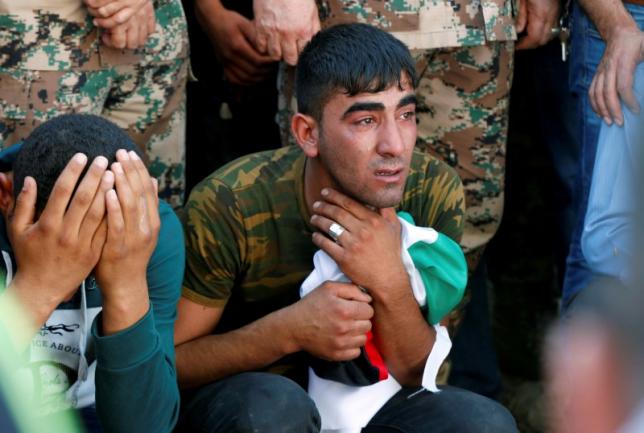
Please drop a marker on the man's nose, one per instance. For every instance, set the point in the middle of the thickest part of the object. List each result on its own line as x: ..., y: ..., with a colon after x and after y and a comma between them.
x: 390, y: 139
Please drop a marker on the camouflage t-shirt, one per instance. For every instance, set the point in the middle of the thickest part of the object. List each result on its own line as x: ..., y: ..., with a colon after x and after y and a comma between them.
x: 423, y: 24
x: 248, y: 236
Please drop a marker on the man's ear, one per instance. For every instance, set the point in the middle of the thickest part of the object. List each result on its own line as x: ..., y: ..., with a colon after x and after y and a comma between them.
x: 6, y: 193
x: 305, y: 129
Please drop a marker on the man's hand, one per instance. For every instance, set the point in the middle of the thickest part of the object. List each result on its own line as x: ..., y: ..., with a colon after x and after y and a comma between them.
x: 134, y: 32
x: 58, y: 251
x: 132, y: 230
x: 284, y: 27
x: 233, y: 39
x: 537, y: 18
x: 614, y: 77
x: 111, y: 13
x: 331, y: 322
x: 368, y: 251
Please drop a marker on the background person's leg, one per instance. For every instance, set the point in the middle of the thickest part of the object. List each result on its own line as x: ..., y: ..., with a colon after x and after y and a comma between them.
x: 250, y: 402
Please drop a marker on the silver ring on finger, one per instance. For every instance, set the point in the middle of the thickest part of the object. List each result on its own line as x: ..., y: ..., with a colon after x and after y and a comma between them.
x: 335, y: 230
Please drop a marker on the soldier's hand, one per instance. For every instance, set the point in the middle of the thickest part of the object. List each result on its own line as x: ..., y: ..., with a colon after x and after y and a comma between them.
x: 368, y: 251
x: 614, y: 77
x: 233, y: 39
x: 134, y: 32
x: 111, y: 13
x: 59, y: 249
x: 284, y: 27
x: 537, y: 18
x: 331, y: 322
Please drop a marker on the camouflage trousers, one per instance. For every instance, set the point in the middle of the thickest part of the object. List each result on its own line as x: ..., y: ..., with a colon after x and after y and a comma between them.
x: 146, y: 100
x: 463, y: 100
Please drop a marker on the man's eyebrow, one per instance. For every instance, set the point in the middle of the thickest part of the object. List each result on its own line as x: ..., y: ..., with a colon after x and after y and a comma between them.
x: 409, y: 99
x: 364, y: 106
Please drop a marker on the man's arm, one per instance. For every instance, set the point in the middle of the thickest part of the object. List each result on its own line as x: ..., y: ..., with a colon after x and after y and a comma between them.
x: 140, y: 281
x: 624, y: 50
x: 368, y: 252
x: 330, y: 322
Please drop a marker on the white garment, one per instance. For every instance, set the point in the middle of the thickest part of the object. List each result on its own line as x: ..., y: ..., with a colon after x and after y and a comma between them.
x: 345, y: 408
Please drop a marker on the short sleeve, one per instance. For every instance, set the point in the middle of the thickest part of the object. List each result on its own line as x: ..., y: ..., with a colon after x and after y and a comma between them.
x: 215, y: 243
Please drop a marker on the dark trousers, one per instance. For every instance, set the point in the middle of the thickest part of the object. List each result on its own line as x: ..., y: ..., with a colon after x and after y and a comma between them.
x: 267, y: 403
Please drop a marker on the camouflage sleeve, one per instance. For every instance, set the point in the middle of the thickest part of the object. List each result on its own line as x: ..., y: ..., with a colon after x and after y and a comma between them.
x: 441, y: 200
x: 215, y: 243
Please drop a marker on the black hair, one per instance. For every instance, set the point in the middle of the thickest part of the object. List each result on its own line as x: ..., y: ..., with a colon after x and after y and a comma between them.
x: 48, y: 149
x: 353, y: 58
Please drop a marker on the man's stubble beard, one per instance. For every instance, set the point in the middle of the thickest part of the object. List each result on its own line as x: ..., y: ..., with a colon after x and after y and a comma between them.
x: 347, y: 187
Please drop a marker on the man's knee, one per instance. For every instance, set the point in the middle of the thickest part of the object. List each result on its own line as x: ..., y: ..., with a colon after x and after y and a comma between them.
x: 252, y: 402
x: 482, y: 415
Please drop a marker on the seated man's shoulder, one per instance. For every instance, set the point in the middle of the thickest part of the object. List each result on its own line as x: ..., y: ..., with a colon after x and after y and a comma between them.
x: 253, y: 171
x: 426, y: 169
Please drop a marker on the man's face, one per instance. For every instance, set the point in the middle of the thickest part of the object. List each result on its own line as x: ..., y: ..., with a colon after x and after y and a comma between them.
x: 366, y: 142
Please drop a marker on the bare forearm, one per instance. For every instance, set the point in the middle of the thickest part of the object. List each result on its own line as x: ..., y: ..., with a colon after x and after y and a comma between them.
x: 608, y: 16
x: 251, y: 347
x: 402, y: 334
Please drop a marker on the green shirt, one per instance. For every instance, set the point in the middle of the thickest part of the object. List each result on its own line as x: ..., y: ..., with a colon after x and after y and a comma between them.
x: 248, y: 236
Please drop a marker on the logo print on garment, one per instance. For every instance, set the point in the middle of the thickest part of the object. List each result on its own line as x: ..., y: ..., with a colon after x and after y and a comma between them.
x: 55, y: 329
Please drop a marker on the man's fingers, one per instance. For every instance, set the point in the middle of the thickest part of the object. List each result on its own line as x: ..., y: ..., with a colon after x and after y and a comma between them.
x: 63, y: 189
x: 131, y: 171
x: 116, y: 38
x: 346, y: 355
x: 25, y: 208
x: 625, y: 88
x: 327, y: 214
x: 84, y: 195
x: 149, y: 190
x: 600, y: 102
x: 352, y: 292
x: 345, y: 202
x: 115, y: 219
x: 96, y: 213
x: 100, y: 235
x: 274, y: 47
x: 612, y: 98
x: 127, y: 200
x: 361, y: 327
x: 262, y: 42
x: 591, y: 95
x: 132, y: 37
x: 289, y: 51
x: 328, y: 246
x: 249, y: 48
x: 300, y: 46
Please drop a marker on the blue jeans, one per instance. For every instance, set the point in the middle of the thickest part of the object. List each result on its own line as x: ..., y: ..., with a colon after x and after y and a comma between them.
x: 268, y: 403
x: 586, y: 51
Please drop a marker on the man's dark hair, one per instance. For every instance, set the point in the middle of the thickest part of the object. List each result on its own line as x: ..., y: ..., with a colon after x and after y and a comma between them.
x: 48, y: 149
x: 353, y: 58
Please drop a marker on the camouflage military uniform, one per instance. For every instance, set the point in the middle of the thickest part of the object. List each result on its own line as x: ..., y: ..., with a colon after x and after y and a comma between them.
x: 248, y: 235
x: 463, y: 51
x: 52, y: 62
